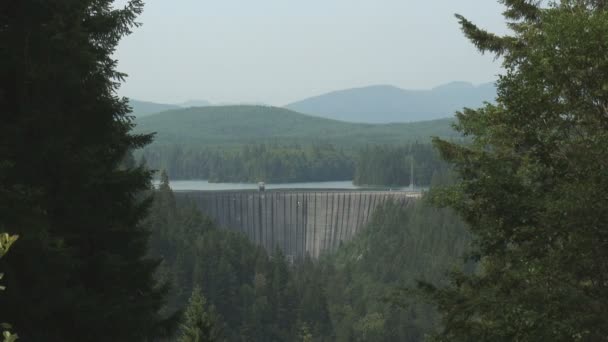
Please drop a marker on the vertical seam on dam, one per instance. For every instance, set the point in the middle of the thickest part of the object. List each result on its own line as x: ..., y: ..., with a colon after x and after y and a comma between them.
x: 314, y: 228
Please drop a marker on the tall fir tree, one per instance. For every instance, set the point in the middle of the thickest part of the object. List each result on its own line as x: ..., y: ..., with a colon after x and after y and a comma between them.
x: 79, y: 272
x: 534, y: 182
x: 200, y: 322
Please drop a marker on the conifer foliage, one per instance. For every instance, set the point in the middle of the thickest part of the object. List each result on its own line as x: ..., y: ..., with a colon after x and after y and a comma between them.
x: 79, y: 272
x: 199, y: 323
x: 534, y: 182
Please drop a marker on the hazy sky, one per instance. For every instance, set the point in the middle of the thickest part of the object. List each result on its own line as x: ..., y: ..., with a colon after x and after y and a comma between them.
x: 279, y: 51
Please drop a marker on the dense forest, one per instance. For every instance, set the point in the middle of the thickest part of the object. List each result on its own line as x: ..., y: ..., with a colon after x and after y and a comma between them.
x: 259, y: 162
x: 398, y: 162
x: 258, y: 295
x: 294, y: 163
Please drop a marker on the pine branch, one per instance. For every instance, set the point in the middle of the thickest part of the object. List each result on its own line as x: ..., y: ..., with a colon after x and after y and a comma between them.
x: 522, y: 9
x: 483, y: 40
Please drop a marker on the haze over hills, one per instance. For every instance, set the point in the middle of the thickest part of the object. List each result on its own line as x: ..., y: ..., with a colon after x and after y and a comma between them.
x: 371, y: 104
x: 144, y: 108
x: 233, y: 125
x: 195, y: 103
x: 385, y: 103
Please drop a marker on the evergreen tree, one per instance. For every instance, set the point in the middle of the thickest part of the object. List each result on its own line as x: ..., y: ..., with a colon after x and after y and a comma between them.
x: 534, y: 182
x: 162, y: 217
x: 200, y: 322
x: 79, y: 272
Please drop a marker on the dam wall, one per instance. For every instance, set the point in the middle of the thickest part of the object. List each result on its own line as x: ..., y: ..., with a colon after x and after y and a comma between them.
x: 298, y: 222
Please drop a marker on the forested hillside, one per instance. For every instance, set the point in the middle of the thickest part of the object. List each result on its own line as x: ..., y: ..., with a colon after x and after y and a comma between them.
x: 259, y: 295
x: 399, y: 247
x: 256, y: 143
x: 270, y: 163
x: 294, y: 163
x: 236, y: 125
x: 398, y: 162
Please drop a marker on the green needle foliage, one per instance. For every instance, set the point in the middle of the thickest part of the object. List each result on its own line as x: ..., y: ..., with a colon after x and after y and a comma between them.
x: 80, y: 271
x: 6, y: 241
x: 200, y: 321
x: 534, y: 182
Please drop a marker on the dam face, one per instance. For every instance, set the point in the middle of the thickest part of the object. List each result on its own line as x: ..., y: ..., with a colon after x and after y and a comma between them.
x: 298, y: 222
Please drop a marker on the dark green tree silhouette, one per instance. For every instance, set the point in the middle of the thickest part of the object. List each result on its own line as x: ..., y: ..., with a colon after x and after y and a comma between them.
x: 533, y: 183
x: 79, y: 271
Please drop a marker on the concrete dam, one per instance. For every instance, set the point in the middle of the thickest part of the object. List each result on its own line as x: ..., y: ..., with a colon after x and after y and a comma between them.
x: 300, y: 222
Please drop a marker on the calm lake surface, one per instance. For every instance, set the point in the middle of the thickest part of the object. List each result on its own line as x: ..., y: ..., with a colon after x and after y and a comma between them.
x: 183, y: 185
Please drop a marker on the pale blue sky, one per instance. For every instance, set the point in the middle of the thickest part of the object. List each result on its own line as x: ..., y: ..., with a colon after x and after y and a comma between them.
x: 279, y: 51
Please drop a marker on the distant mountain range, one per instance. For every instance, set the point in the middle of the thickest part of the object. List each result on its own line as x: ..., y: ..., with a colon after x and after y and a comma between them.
x: 385, y: 103
x: 236, y: 125
x: 373, y: 104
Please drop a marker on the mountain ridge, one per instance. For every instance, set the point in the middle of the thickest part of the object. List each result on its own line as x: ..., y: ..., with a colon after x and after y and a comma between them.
x: 256, y: 124
x: 387, y: 103
x: 145, y: 108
